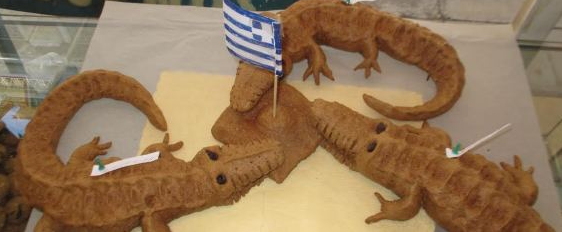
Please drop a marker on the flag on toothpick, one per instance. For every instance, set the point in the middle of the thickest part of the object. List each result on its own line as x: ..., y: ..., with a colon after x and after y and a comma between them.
x: 253, y: 38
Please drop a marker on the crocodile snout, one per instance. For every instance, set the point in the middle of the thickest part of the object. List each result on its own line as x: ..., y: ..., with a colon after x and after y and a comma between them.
x: 345, y: 131
x: 254, y: 161
x: 246, y: 165
x: 340, y: 126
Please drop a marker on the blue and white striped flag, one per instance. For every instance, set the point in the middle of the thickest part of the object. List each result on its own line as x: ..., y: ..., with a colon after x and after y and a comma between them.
x: 254, y: 38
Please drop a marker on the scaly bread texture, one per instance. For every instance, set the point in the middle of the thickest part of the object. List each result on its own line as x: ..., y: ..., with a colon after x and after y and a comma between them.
x: 293, y: 125
x: 307, y: 24
x: 468, y: 194
x: 150, y: 194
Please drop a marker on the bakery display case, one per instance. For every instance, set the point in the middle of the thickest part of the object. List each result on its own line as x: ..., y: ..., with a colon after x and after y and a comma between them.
x: 178, y: 54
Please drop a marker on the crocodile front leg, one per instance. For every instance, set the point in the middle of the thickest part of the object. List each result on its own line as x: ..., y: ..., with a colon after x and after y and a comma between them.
x: 522, y: 179
x: 403, y: 209
x: 165, y: 148
x: 316, y: 63
x: 86, y: 153
x: 370, y: 54
x: 154, y: 223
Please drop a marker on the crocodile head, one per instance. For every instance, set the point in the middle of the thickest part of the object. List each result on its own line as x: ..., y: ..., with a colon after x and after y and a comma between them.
x: 234, y: 169
x: 351, y: 137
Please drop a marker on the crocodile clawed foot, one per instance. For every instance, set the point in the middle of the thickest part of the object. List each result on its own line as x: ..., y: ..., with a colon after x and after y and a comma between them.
x: 517, y: 166
x: 316, y: 68
x: 523, y: 179
x: 100, y: 149
x: 171, y: 147
x: 164, y: 147
x: 89, y: 151
x: 367, y: 64
x: 402, y: 209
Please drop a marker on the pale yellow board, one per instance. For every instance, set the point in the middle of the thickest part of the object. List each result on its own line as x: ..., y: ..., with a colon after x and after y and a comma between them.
x: 319, y: 195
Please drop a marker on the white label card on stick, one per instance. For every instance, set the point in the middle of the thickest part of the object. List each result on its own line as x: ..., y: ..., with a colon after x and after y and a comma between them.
x: 124, y: 163
x: 451, y: 154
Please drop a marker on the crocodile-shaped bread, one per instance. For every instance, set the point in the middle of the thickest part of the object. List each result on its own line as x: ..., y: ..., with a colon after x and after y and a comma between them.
x: 468, y: 194
x: 307, y: 24
x: 150, y: 194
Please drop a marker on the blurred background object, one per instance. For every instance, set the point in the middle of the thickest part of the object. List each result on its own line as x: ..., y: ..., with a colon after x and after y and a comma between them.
x: 498, y: 11
x: 539, y: 33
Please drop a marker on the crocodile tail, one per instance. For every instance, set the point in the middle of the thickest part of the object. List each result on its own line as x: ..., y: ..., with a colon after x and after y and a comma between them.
x: 37, y: 164
x: 446, y: 96
x: 417, y: 45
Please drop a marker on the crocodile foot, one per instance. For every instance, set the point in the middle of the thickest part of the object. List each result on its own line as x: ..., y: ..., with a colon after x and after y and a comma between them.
x: 89, y: 151
x: 316, y: 64
x: 315, y: 68
x: 367, y: 64
x: 523, y: 179
x: 402, y: 209
x: 164, y: 147
x: 370, y: 52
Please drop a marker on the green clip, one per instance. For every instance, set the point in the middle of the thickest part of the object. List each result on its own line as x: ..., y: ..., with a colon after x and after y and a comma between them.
x: 99, y: 163
x: 348, y: 2
x: 457, y: 148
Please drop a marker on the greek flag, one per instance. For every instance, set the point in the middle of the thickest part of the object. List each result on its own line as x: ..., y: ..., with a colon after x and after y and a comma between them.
x: 253, y: 38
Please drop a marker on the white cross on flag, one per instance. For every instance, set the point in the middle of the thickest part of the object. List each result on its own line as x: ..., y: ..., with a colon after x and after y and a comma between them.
x: 252, y: 37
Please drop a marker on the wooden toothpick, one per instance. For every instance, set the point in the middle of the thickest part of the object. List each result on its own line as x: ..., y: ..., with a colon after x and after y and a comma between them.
x: 274, y: 94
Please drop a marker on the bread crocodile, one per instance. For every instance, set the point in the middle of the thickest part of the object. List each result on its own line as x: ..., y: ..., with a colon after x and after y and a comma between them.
x: 307, y: 24
x: 465, y: 194
x: 150, y: 194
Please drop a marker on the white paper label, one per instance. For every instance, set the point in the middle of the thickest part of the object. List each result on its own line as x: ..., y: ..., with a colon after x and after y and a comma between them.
x: 356, y: 1
x: 451, y: 154
x: 125, y: 163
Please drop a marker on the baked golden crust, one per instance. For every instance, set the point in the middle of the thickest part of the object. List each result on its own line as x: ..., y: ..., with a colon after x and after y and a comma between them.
x: 465, y: 194
x: 292, y: 125
x: 150, y: 194
x: 307, y: 24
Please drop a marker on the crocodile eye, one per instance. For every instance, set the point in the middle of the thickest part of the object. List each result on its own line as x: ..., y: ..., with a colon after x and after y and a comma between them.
x: 381, y: 127
x: 221, y: 179
x: 371, y: 147
x: 212, y: 155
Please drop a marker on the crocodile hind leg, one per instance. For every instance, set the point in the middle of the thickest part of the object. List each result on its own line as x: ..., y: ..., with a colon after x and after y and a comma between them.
x: 403, y: 209
x: 316, y: 63
x: 523, y: 179
x: 47, y: 224
x: 88, y: 152
x: 370, y: 52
